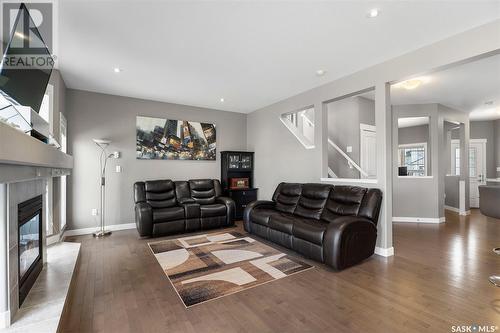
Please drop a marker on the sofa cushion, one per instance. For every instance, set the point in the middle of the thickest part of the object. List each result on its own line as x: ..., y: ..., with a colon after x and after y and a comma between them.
x: 261, y: 215
x: 282, y: 222
x: 286, y: 197
x: 168, y: 214
x: 343, y: 201
x: 202, y: 191
x: 309, y: 230
x: 212, y: 210
x: 160, y: 193
x: 312, y: 200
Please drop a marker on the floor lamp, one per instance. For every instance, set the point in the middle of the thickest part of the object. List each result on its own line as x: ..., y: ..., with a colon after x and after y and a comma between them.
x: 103, y: 159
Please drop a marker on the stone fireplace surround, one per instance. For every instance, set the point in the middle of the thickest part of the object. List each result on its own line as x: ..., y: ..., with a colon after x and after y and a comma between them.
x: 16, y: 194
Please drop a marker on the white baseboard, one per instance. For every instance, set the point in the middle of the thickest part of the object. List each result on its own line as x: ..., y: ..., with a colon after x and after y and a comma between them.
x: 384, y: 252
x: 419, y: 219
x: 87, y: 231
x: 5, y: 319
x: 467, y: 212
x: 452, y: 209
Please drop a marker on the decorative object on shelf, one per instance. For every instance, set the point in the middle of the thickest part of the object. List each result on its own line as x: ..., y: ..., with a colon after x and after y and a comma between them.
x: 170, y: 139
x: 241, y: 183
x: 103, y: 159
x: 495, y: 279
x: 237, y: 178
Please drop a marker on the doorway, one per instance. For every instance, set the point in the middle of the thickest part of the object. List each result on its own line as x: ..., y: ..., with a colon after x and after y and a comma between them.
x: 477, y: 166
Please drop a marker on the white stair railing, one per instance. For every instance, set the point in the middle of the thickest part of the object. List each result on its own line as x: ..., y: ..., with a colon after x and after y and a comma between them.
x: 350, y: 161
x: 331, y: 174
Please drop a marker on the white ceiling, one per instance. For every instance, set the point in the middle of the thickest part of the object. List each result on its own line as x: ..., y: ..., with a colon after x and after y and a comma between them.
x: 252, y: 54
x: 464, y: 87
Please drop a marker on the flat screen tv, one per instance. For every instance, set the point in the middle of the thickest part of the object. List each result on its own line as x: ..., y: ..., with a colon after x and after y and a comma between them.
x: 26, y: 64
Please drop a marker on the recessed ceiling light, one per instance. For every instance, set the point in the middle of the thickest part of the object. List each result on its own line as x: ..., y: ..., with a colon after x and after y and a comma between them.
x: 117, y: 70
x: 320, y: 72
x: 221, y: 100
x: 412, y: 83
x: 373, y: 13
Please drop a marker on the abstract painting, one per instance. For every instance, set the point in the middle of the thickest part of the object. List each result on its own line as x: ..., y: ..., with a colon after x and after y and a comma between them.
x: 171, y: 139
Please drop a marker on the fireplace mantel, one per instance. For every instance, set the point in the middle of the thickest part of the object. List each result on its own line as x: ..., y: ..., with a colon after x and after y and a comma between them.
x: 23, y: 157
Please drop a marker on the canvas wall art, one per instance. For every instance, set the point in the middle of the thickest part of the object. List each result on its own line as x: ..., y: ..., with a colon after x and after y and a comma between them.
x: 171, y: 139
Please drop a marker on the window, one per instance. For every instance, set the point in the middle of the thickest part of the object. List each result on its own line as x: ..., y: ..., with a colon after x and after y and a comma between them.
x: 457, y: 161
x: 472, y: 162
x: 47, y: 107
x: 413, y: 157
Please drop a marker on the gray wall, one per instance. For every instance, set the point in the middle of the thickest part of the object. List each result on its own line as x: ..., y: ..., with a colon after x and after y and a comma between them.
x: 497, y: 145
x: 487, y: 130
x: 280, y: 157
x: 93, y: 115
x: 451, y: 189
x: 344, y: 118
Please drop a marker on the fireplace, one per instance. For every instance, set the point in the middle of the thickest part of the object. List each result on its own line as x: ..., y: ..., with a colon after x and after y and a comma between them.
x: 30, y: 244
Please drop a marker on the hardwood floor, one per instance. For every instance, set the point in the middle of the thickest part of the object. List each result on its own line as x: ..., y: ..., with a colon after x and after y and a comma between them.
x: 437, y: 278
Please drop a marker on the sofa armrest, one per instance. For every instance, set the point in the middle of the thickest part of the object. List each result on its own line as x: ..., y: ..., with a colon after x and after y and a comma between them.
x: 253, y: 205
x: 144, y: 219
x: 230, y: 208
x: 183, y: 201
x: 349, y: 240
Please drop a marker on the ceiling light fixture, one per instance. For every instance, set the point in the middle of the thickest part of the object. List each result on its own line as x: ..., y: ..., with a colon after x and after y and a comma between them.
x: 373, y: 13
x: 117, y: 70
x: 412, y: 83
x: 221, y: 100
x: 320, y: 72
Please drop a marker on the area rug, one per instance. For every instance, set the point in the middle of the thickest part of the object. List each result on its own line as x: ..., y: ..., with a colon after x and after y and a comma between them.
x: 205, y: 267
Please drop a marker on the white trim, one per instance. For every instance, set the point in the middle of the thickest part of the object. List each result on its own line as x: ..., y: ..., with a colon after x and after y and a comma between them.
x: 331, y: 173
x: 419, y: 219
x: 366, y: 127
x: 467, y: 212
x: 292, y: 130
x: 415, y: 177
x: 350, y: 180
x: 53, y: 239
x: 384, y: 252
x: 452, y: 209
x: 478, y: 140
x: 5, y: 319
x: 347, y: 157
x: 461, y: 197
x: 87, y: 231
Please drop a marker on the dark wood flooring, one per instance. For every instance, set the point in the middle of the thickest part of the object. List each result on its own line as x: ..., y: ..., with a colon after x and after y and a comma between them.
x: 437, y: 278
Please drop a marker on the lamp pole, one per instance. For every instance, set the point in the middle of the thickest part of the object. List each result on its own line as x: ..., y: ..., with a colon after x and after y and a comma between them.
x: 103, y: 159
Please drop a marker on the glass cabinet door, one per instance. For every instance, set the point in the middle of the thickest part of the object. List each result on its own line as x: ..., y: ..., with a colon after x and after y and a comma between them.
x: 234, y: 161
x: 246, y: 161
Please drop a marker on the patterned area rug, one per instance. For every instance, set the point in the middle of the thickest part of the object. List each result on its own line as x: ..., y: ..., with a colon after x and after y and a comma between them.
x: 205, y: 267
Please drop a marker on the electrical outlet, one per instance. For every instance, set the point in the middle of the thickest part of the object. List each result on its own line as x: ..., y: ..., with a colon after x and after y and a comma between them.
x: 94, y: 212
x: 118, y: 168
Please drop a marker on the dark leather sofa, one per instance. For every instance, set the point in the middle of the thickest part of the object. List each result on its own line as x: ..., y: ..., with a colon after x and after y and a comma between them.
x: 166, y: 207
x: 336, y: 225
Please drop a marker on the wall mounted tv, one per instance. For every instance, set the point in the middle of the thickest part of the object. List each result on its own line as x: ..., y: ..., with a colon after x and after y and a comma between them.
x: 26, y: 64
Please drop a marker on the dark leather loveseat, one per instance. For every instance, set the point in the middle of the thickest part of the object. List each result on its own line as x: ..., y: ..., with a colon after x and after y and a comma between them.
x: 336, y: 225
x: 165, y: 207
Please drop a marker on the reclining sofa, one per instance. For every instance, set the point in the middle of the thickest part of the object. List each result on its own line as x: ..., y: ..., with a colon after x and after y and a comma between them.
x: 336, y: 225
x: 166, y: 207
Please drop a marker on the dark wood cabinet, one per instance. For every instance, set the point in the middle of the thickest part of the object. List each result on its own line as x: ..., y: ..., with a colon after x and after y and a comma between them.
x: 241, y: 199
x: 238, y: 164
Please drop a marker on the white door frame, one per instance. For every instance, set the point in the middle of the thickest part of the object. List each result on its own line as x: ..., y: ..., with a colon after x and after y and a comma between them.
x: 364, y: 129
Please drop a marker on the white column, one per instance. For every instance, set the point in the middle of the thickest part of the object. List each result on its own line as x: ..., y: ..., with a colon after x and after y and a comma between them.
x: 383, y: 120
x: 4, y: 261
